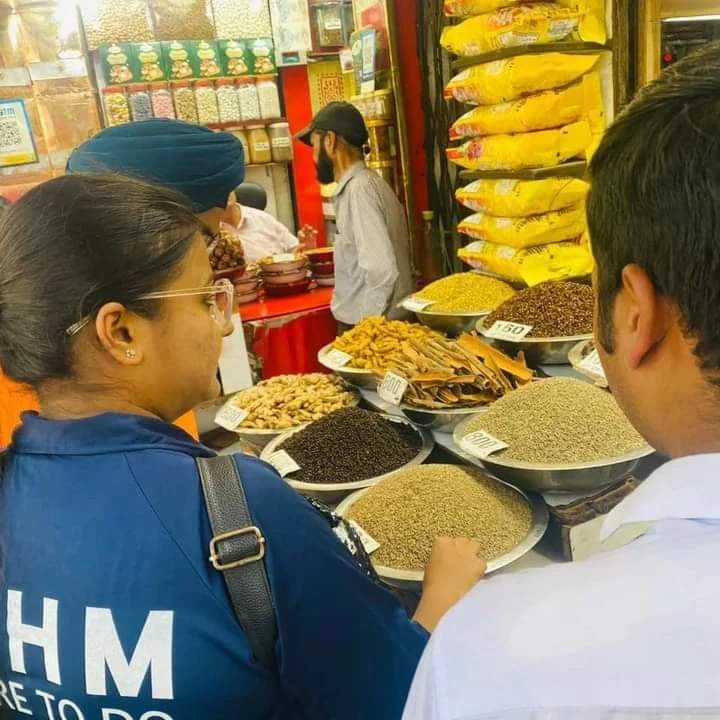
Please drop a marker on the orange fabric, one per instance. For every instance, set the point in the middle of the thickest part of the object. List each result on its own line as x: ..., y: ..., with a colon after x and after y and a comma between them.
x: 15, y: 399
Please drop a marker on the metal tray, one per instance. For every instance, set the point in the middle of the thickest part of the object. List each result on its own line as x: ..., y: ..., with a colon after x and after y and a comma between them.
x: 260, y: 438
x: 538, y: 351
x: 412, y: 579
x: 445, y: 420
x: 446, y: 322
x: 331, y: 493
x: 355, y: 376
x: 578, y: 477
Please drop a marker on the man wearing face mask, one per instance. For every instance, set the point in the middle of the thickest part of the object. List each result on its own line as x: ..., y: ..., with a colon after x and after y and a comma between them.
x: 372, y: 247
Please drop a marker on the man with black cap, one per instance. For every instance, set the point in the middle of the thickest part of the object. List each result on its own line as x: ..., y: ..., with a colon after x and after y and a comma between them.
x: 372, y: 255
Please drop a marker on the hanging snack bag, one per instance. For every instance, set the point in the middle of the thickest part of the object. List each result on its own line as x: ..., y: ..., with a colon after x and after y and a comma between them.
x: 521, y: 198
x: 525, y: 232
x: 505, y: 80
x: 545, y: 148
x: 468, y: 8
x: 531, y: 24
x: 559, y: 261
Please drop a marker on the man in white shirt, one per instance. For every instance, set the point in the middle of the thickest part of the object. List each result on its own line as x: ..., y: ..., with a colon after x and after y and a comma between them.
x: 635, y: 633
x: 262, y: 235
x: 372, y: 247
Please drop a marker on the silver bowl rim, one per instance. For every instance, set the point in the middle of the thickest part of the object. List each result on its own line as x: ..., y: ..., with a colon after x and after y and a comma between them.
x: 475, y: 410
x: 477, y: 314
x: 428, y: 444
x: 345, y: 369
x: 538, y: 525
x: 498, y: 461
x: 257, y: 432
x: 560, y: 340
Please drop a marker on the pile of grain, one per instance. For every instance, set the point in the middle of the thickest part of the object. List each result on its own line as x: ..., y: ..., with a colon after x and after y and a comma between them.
x: 406, y: 512
x: 351, y: 445
x: 559, y: 421
x: 552, y: 309
x: 465, y: 293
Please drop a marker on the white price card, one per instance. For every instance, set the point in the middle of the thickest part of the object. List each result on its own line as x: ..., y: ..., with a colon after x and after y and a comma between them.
x: 416, y: 304
x: 284, y: 257
x: 283, y: 463
x: 592, y: 364
x: 503, y: 330
x: 393, y: 388
x: 369, y: 543
x: 481, y: 444
x: 337, y: 358
x: 230, y: 416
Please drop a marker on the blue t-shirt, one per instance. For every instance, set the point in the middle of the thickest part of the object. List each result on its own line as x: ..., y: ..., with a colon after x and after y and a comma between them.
x: 110, y: 609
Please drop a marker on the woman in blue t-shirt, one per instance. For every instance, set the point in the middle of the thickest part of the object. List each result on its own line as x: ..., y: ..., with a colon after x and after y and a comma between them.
x: 112, y: 608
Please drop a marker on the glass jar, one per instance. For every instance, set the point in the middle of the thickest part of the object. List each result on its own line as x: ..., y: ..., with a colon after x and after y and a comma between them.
x: 332, y: 24
x: 206, y: 100
x: 162, y: 102
x: 259, y: 143
x: 268, y: 97
x: 184, y: 98
x: 117, y: 108
x: 249, y: 100
x: 280, y: 142
x: 242, y: 137
x: 228, y: 101
x: 140, y: 102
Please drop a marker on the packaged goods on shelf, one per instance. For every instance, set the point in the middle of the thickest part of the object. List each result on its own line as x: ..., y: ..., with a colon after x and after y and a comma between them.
x: 117, y: 107
x: 177, y: 60
x: 228, y: 102
x: 280, y: 142
x: 181, y: 19
x: 468, y: 8
x: 113, y: 21
x: 206, y: 100
x: 140, y: 102
x: 184, y: 97
x: 249, y: 100
x: 269, y: 97
x: 242, y: 18
x: 162, y: 102
x: 541, y: 149
x: 204, y: 58
x: 233, y: 59
x: 511, y: 78
x: 558, y: 261
x: 259, y: 145
x: 542, y: 111
x: 552, y: 309
x: 520, y: 198
x: 261, y: 55
x: 149, y: 61
x: 525, y: 232
x: 529, y: 24
x: 116, y: 61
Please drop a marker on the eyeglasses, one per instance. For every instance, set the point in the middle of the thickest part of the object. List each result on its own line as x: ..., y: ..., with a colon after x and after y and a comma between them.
x: 219, y: 298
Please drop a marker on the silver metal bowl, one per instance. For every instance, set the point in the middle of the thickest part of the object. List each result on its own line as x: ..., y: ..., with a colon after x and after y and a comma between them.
x: 445, y: 420
x: 538, y: 351
x: 573, y: 477
x: 261, y: 438
x: 412, y: 579
x: 354, y: 376
x: 445, y: 322
x: 332, y: 493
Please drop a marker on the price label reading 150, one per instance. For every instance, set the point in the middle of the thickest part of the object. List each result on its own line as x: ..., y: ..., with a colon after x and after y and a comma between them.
x: 504, y: 330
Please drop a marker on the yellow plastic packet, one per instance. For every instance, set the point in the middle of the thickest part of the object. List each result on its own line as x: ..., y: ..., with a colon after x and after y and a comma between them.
x: 521, y: 198
x: 520, y: 26
x: 551, y: 227
x: 545, y: 148
x: 559, y: 261
x: 505, y: 80
x: 468, y: 8
x: 549, y: 109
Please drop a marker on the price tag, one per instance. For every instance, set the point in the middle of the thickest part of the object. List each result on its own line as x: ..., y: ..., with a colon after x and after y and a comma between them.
x: 416, y: 304
x: 503, y: 330
x: 369, y: 543
x: 393, y: 388
x: 337, y: 358
x: 592, y: 364
x: 286, y: 257
x: 283, y: 463
x: 481, y: 444
x: 230, y: 416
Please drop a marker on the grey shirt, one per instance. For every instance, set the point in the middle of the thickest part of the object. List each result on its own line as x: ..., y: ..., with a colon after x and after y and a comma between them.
x: 372, y: 248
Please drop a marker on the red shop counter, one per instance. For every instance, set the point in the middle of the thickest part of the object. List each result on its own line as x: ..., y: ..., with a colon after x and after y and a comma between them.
x: 289, y: 331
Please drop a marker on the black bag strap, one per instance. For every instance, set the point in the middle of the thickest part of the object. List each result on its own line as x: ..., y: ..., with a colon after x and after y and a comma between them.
x: 237, y: 550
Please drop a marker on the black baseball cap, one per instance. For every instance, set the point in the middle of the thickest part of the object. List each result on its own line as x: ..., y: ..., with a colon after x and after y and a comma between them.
x: 339, y: 117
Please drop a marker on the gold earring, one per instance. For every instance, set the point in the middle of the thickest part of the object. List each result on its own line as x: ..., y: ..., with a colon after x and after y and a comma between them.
x: 130, y: 354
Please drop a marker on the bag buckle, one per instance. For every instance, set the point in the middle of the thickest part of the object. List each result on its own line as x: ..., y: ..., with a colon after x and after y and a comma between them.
x: 215, y: 549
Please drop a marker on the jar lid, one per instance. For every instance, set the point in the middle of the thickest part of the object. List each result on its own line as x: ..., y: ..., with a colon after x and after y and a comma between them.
x: 137, y: 87
x: 204, y: 83
x: 226, y: 81
x: 181, y: 84
x: 245, y: 81
x: 255, y: 127
x: 112, y: 89
x: 265, y: 78
x: 280, y: 126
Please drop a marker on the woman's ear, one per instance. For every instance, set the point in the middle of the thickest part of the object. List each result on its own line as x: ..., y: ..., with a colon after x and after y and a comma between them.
x: 116, y: 330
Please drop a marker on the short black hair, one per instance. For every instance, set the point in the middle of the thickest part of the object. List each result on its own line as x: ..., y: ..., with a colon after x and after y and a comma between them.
x: 655, y: 199
x: 72, y: 245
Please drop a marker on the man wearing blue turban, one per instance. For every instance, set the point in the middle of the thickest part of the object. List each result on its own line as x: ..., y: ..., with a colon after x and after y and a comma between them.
x: 205, y: 166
